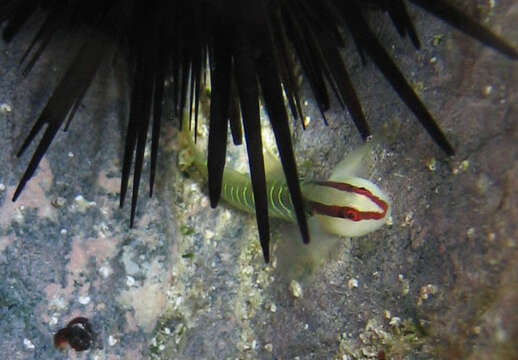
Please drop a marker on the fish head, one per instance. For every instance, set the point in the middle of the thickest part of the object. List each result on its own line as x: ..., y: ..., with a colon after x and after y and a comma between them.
x: 348, y: 207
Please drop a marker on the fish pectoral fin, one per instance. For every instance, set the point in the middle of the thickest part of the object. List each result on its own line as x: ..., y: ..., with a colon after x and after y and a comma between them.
x: 272, y: 166
x: 352, y: 163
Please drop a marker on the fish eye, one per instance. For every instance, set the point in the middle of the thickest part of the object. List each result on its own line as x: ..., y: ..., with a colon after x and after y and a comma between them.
x: 352, y: 214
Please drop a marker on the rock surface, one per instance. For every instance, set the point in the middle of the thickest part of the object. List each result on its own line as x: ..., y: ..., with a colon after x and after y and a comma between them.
x: 189, y: 281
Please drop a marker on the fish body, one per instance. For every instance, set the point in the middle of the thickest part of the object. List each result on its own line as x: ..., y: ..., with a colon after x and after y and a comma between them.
x: 237, y: 188
x: 344, y: 204
x: 237, y: 191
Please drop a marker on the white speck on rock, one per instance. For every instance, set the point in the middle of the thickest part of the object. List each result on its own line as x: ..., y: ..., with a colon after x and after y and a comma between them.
x: 405, y: 284
x: 296, y: 289
x: 28, y: 344
x: 431, y: 164
x: 352, y: 283
x: 273, y: 308
x: 388, y: 315
x: 179, y: 301
x: 81, y: 204
x: 53, y: 320
x: 426, y: 291
x: 84, y: 300
x: 18, y: 214
x: 112, y: 340
x: 395, y: 321
x: 227, y: 215
x: 2, y: 187
x: 105, y: 271
x: 408, y: 219
x: 462, y: 167
x: 209, y: 234
x: 103, y: 229
x: 130, y: 280
x: 5, y: 108
x: 248, y: 270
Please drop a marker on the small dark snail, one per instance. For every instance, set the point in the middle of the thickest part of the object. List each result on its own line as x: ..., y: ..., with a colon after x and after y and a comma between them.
x: 78, y: 334
x: 249, y: 48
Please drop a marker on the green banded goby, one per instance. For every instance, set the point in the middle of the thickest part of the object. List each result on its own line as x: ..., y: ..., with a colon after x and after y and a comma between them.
x: 344, y: 204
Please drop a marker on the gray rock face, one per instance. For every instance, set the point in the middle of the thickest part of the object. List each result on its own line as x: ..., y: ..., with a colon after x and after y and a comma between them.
x: 189, y: 281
